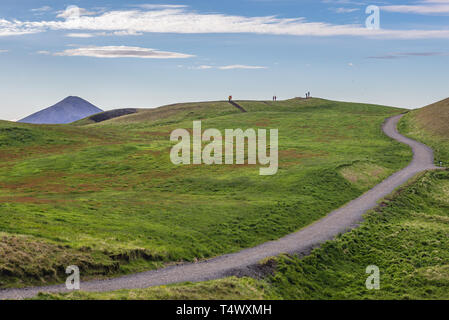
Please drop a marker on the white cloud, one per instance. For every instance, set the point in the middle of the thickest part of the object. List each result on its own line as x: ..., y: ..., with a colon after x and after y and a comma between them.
x: 345, y: 10
x: 3, y: 51
x: 41, y: 9
x: 8, y: 28
x: 399, y: 55
x: 350, y: 64
x: 240, y: 66
x: 204, y: 67
x: 74, y: 12
x: 160, y: 6
x: 357, y: 3
x: 182, y: 21
x: 125, y: 33
x: 229, y: 67
x: 80, y: 35
x: 122, y: 52
x: 44, y: 52
x: 103, y: 34
x: 422, y: 7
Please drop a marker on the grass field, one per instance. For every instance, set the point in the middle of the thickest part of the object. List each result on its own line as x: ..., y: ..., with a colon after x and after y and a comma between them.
x: 223, y: 289
x: 431, y: 126
x: 407, y: 238
x: 107, y: 198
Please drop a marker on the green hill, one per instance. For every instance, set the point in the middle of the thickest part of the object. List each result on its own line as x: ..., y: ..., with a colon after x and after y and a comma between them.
x: 431, y: 126
x: 407, y: 237
x: 106, y: 197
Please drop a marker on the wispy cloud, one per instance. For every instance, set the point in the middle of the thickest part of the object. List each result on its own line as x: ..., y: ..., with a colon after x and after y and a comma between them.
x: 204, y: 67
x: 122, y: 52
x: 344, y: 10
x: 229, y: 67
x: 74, y: 12
x: 41, y: 9
x: 240, y: 66
x: 3, y: 51
x: 80, y: 35
x: 15, y: 28
x: 103, y: 34
x: 344, y: 2
x: 184, y: 21
x: 160, y: 6
x: 422, y: 7
x: 400, y: 55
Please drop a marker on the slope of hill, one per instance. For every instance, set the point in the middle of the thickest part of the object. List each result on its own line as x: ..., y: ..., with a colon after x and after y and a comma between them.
x: 431, y: 126
x: 66, y: 111
x: 104, y: 116
x: 107, y: 194
x: 407, y: 237
x: 176, y: 113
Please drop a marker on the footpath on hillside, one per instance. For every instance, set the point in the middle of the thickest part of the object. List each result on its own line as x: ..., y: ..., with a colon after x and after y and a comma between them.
x: 237, y: 106
x: 246, y: 262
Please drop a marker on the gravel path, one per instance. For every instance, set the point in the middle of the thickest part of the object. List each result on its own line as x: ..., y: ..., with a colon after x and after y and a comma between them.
x: 243, y: 262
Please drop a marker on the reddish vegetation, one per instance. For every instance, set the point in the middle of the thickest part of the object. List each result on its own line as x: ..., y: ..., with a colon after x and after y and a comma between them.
x: 263, y: 123
x: 155, y: 133
x: 52, y: 182
x: 30, y: 200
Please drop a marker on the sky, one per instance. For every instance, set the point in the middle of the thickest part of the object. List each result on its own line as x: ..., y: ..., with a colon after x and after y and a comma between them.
x: 144, y: 54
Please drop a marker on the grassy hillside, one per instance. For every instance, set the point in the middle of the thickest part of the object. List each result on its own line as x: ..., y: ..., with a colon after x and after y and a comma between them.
x: 406, y: 237
x: 223, y: 289
x: 431, y: 126
x: 172, y: 113
x: 106, y: 197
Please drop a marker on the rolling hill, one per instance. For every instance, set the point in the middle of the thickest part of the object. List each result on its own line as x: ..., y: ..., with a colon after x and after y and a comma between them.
x: 66, y: 111
x: 407, y: 237
x: 106, y: 197
x: 431, y: 126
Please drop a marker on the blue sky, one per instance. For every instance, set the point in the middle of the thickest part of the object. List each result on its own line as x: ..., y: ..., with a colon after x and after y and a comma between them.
x: 150, y: 53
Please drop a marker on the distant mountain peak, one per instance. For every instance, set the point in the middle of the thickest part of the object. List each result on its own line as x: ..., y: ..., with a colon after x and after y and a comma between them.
x: 70, y: 109
x: 72, y: 98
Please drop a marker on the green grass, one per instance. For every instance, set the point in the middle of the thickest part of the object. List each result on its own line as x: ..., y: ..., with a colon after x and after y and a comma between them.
x: 430, y: 126
x: 224, y: 289
x: 406, y: 237
x: 108, y: 192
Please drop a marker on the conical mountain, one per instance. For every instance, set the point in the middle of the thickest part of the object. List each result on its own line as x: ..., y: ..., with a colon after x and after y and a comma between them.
x: 66, y: 111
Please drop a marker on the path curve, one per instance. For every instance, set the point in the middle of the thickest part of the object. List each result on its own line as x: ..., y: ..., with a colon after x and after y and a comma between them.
x: 300, y: 242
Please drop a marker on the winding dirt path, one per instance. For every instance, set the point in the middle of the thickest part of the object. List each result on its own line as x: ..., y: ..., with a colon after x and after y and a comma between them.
x: 235, y: 104
x: 300, y: 242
